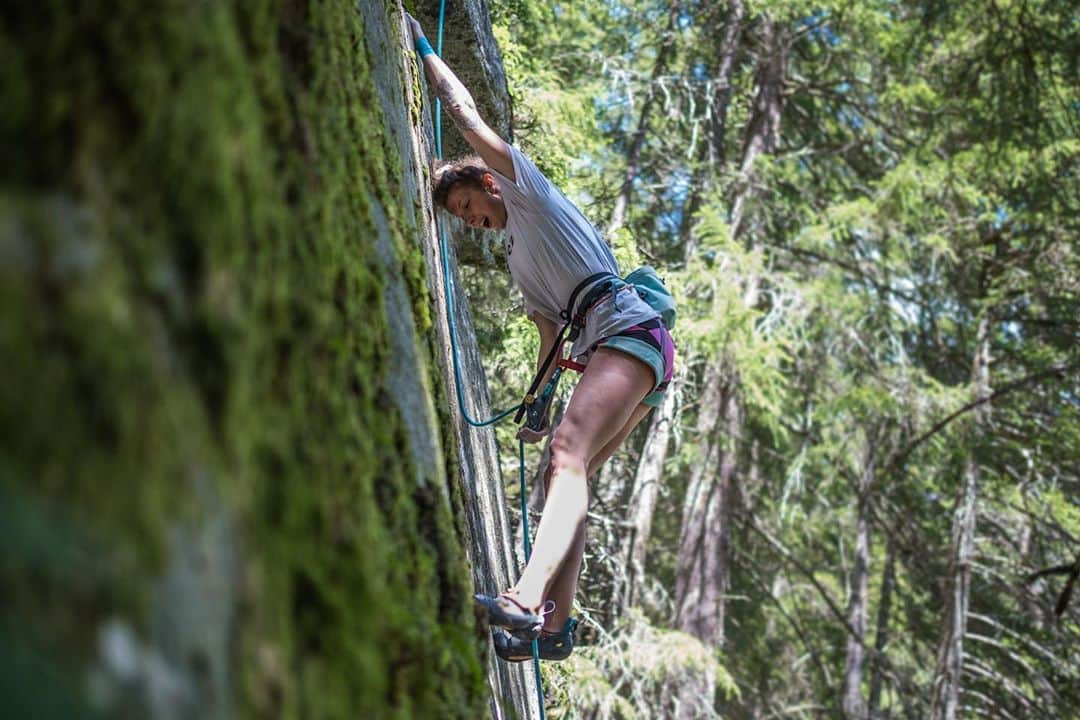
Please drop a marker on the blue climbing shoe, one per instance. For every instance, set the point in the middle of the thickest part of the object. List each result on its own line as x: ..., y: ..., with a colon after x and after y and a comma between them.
x: 504, y: 611
x: 550, y: 646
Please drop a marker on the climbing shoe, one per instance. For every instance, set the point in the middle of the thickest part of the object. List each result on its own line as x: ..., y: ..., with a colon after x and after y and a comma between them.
x: 503, y: 611
x: 553, y: 646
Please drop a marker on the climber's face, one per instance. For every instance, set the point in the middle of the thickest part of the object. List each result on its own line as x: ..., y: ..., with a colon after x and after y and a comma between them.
x: 479, y: 208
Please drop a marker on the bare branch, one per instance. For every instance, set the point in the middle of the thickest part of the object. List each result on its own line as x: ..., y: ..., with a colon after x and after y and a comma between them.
x: 978, y: 402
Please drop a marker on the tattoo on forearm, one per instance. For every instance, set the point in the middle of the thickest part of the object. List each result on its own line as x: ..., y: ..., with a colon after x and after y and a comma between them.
x: 460, y: 105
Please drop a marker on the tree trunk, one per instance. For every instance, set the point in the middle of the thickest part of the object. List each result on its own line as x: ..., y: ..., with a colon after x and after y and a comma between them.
x: 702, y: 573
x: 612, y: 486
x: 704, y: 562
x: 637, y: 141
x: 851, y: 697
x: 645, y: 489
x: 763, y: 129
x: 711, y: 154
x: 950, y: 659
x: 614, y: 475
x: 726, y: 51
x: 881, y: 635
x: 654, y: 452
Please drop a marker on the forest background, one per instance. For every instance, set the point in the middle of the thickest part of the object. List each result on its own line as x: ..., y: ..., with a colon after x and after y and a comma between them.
x: 862, y: 495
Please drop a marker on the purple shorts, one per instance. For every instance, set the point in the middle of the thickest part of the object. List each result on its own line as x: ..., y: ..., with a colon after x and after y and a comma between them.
x: 651, y: 343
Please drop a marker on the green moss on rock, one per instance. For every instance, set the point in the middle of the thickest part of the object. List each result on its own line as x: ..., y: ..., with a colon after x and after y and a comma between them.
x: 187, y: 230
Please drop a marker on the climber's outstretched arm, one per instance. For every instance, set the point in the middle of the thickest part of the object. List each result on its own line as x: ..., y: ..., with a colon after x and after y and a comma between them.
x: 459, y: 103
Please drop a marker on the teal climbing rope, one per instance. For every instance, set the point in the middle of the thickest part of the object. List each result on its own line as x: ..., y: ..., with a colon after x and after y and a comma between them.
x: 450, y: 294
x: 528, y: 554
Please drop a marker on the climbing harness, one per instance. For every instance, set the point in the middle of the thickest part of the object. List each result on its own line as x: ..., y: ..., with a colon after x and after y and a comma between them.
x: 457, y: 367
x: 599, y: 284
x: 534, y: 408
x: 649, y: 287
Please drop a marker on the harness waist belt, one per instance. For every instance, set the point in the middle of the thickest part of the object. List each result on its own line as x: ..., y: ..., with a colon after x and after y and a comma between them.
x: 599, y: 284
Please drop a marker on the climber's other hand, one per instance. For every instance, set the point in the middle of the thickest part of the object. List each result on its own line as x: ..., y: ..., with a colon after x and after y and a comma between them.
x: 414, y: 27
x: 529, y: 435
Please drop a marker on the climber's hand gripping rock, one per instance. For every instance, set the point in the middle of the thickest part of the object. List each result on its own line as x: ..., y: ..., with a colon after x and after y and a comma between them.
x: 414, y: 27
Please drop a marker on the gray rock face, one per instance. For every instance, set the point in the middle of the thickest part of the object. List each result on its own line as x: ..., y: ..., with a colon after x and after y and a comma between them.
x: 184, y: 670
x: 490, y: 553
x: 174, y: 441
x: 392, y: 71
x: 471, y: 51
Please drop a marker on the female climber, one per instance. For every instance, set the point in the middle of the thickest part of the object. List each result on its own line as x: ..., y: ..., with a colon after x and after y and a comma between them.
x: 554, y: 253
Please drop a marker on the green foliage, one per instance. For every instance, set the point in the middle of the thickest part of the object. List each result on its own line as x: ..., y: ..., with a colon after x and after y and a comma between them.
x: 719, y: 289
x: 922, y: 183
x: 636, y: 672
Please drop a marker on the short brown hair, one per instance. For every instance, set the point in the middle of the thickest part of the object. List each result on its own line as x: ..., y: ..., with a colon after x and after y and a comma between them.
x: 468, y: 171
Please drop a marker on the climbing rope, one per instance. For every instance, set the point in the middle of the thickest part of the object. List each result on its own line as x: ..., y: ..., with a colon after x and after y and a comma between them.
x: 450, y: 294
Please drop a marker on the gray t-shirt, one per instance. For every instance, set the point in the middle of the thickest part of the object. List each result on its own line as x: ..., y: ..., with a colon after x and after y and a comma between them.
x: 551, y: 247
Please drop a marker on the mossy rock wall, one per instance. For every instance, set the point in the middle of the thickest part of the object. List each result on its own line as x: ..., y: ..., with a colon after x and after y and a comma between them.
x: 229, y: 481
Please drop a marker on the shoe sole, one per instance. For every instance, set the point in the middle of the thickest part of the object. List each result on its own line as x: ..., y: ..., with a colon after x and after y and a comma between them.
x: 519, y: 623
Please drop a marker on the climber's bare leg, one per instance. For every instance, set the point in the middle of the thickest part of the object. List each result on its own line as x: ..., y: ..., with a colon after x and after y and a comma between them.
x: 608, y: 450
x: 564, y: 586
x: 605, y: 400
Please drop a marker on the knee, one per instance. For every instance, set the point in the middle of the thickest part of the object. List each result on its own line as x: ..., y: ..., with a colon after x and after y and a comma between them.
x: 569, y: 460
x: 567, y: 452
